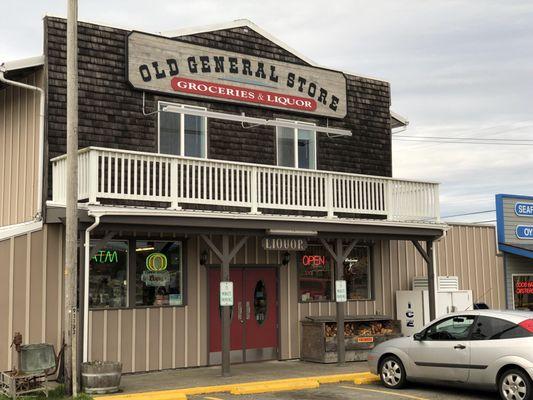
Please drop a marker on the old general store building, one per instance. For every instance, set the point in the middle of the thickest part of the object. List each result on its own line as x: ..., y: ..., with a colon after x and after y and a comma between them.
x: 203, y: 147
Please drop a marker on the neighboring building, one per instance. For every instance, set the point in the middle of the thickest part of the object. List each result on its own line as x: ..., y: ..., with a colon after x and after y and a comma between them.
x: 197, y: 142
x: 515, y: 239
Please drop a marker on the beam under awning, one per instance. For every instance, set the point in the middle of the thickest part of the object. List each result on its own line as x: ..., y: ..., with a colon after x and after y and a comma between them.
x: 257, y: 121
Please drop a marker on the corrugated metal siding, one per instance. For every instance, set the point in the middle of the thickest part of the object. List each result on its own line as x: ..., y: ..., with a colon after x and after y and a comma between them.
x: 515, y: 265
x: 158, y: 338
x: 19, y: 151
x: 31, y: 289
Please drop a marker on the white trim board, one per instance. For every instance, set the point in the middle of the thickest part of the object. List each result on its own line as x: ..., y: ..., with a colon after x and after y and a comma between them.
x: 19, y: 229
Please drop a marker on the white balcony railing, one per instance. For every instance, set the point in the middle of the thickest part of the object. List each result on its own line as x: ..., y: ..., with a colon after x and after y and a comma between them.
x: 149, y: 177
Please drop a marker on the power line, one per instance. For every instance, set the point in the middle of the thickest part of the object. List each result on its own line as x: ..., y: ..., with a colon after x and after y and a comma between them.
x: 470, y: 213
x: 461, y: 142
x: 466, y: 138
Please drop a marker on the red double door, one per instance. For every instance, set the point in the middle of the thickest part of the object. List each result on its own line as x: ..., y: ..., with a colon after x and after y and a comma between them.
x: 254, y: 315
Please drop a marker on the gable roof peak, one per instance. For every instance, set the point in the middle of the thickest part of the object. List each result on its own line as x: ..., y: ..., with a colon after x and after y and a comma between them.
x: 238, y: 23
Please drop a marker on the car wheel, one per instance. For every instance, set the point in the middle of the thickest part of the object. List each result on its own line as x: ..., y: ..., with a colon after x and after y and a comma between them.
x: 514, y: 384
x: 392, y: 372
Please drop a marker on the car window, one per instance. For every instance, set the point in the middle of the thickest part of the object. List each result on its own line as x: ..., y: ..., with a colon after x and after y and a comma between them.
x: 489, y: 328
x: 453, y: 328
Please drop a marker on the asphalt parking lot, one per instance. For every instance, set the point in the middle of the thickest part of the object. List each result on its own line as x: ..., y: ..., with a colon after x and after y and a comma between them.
x: 372, y: 391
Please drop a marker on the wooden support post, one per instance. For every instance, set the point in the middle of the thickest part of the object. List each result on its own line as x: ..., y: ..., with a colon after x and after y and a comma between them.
x: 427, y: 255
x: 225, y: 256
x: 339, y: 266
x: 226, y: 310
x: 339, y: 255
x: 431, y: 281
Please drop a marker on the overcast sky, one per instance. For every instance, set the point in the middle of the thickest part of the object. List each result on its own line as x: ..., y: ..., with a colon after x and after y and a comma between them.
x: 458, y: 68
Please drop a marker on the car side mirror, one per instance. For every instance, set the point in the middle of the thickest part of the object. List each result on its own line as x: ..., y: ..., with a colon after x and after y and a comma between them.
x: 418, y: 336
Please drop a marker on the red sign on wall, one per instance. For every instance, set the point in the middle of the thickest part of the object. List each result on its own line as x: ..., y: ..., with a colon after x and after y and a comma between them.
x: 524, y: 287
x: 231, y: 92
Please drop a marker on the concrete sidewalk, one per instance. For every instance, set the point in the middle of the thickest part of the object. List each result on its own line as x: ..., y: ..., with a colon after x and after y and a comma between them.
x: 241, y: 373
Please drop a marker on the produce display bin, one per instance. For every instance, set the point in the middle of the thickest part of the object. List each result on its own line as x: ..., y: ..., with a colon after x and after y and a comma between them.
x: 361, y: 334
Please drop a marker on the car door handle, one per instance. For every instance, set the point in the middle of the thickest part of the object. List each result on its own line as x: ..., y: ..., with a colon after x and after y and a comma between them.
x: 459, y: 346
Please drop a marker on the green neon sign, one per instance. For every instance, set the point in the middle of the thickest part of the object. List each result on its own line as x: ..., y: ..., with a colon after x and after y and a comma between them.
x: 105, y: 257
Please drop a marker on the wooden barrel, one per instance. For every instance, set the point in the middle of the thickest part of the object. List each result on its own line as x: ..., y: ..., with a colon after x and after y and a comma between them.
x: 100, y: 377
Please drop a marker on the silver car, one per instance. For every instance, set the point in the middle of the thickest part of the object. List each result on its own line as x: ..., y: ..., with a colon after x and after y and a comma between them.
x: 484, y: 348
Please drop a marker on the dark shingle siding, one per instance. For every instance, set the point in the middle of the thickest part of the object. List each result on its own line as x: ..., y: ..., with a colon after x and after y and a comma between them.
x: 110, y: 111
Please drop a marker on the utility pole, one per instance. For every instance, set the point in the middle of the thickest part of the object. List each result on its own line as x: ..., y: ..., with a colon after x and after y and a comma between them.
x: 70, y: 280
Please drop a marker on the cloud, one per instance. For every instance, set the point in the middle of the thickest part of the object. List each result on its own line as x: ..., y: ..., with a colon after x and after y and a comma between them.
x: 456, y: 67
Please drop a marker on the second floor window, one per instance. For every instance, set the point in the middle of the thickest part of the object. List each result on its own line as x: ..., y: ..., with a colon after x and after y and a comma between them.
x: 181, y: 134
x: 296, y: 147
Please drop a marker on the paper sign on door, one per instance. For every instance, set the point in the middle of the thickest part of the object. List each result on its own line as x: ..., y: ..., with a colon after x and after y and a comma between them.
x: 226, y: 293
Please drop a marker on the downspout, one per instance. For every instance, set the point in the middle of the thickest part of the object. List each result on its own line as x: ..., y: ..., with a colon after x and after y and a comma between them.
x: 39, y: 214
x: 86, y: 286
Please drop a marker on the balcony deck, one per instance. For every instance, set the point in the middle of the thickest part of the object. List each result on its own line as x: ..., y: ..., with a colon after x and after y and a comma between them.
x: 124, y: 177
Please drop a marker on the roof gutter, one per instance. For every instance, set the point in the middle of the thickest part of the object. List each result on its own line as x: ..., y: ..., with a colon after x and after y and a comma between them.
x: 3, y: 70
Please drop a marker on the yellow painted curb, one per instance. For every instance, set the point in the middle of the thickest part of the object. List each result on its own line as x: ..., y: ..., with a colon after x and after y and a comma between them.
x: 368, y: 378
x: 278, y: 385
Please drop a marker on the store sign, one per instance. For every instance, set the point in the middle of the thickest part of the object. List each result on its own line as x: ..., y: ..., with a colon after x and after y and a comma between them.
x: 514, y: 216
x: 340, y: 291
x: 523, y: 209
x: 523, y: 286
x: 156, y: 262
x: 164, y: 65
x: 226, y: 293
x: 284, y: 244
x: 314, y: 260
x: 367, y: 339
x: 524, y: 232
x: 105, y: 257
x: 160, y: 278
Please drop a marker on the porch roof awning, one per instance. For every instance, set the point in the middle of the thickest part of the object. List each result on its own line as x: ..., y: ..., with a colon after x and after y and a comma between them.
x: 201, y: 222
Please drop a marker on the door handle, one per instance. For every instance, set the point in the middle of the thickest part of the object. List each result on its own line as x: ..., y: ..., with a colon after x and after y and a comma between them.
x: 239, y: 311
x: 459, y: 346
x: 247, y: 310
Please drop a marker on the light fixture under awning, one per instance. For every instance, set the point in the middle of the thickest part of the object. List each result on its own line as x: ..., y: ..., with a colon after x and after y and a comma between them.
x: 257, y: 121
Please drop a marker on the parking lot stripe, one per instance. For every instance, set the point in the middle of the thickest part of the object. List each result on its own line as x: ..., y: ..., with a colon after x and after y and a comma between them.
x: 213, y: 398
x: 388, y: 392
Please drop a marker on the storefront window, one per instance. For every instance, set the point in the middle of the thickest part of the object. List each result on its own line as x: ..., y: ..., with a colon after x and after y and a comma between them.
x: 178, y: 128
x: 314, y: 274
x: 357, y: 273
x: 108, y: 276
x: 523, y: 292
x: 159, y: 273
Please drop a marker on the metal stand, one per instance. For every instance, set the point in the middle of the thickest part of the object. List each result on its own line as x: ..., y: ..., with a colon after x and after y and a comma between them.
x: 13, y: 384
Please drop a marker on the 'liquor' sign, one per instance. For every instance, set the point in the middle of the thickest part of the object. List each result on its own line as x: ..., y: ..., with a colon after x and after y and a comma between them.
x: 165, y: 65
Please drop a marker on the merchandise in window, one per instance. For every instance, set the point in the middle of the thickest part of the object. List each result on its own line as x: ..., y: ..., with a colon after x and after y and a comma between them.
x: 296, y: 147
x: 357, y: 273
x: 315, y: 275
x: 159, y: 273
x: 108, y: 276
x: 176, y: 129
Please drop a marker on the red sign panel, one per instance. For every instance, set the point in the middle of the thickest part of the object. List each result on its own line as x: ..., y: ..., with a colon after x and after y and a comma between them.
x: 231, y: 92
x: 365, y: 340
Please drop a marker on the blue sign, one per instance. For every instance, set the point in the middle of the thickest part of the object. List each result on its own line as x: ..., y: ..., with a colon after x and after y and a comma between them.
x: 524, y: 232
x: 523, y: 209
